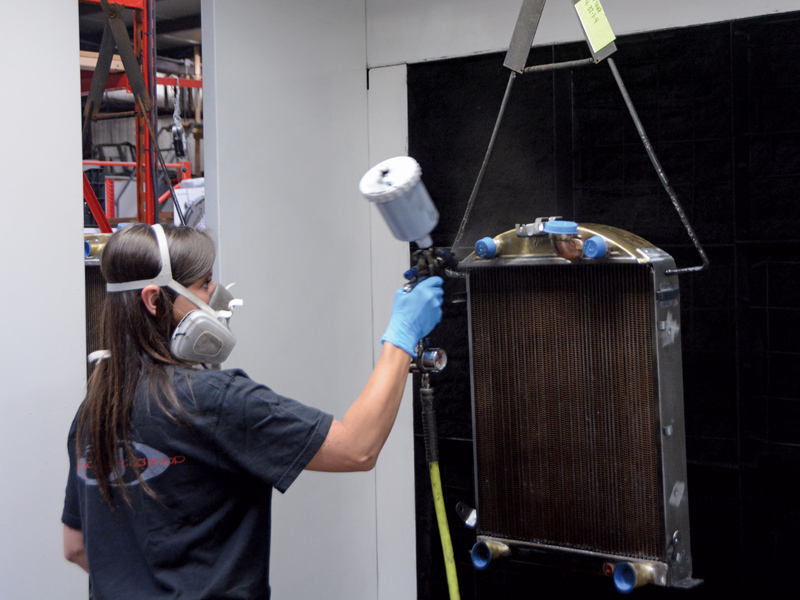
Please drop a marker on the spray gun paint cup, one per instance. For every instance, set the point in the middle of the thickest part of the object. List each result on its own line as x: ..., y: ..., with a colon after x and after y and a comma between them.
x: 396, y: 188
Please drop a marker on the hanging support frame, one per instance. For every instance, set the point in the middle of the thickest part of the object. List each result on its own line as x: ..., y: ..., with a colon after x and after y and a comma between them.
x: 600, y: 40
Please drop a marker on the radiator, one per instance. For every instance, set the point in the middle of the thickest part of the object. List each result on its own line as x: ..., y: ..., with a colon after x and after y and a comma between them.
x: 95, y: 296
x: 578, y: 405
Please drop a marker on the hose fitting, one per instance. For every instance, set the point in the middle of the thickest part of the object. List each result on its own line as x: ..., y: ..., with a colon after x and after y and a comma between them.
x: 485, y: 552
x: 628, y: 576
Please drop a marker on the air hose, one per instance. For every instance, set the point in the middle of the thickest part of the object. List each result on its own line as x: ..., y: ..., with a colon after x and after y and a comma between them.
x: 429, y: 434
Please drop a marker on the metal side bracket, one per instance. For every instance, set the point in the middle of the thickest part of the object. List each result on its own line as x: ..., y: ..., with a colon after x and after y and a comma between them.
x: 524, y: 32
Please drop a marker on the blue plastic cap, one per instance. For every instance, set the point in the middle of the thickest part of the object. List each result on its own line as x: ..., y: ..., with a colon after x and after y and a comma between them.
x: 561, y: 227
x: 595, y: 247
x: 624, y: 577
x: 411, y: 273
x: 481, y: 555
x: 87, y: 249
x: 486, y: 248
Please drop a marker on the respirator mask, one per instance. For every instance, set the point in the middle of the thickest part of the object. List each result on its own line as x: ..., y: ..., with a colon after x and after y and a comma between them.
x: 203, y: 335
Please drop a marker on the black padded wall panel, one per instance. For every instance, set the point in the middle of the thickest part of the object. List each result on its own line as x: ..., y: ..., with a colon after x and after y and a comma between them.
x: 719, y: 103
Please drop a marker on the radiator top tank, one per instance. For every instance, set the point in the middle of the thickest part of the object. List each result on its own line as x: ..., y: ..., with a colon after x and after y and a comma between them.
x: 557, y: 242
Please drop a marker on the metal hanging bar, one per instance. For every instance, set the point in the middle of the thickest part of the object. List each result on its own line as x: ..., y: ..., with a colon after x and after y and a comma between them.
x: 154, y: 141
x: 661, y: 175
x: 486, y: 158
x: 524, y: 31
x: 568, y: 64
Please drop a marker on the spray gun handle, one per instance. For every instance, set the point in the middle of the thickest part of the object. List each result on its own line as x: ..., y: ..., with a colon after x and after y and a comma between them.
x: 428, y: 262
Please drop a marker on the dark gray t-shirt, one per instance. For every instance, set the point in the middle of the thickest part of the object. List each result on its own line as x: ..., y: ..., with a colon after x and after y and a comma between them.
x: 206, y: 535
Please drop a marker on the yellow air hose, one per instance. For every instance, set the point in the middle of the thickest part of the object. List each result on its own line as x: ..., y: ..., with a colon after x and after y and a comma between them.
x: 432, y: 455
x: 444, y: 531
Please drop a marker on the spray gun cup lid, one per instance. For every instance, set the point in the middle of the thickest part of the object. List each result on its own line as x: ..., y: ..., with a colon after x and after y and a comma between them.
x: 390, y: 179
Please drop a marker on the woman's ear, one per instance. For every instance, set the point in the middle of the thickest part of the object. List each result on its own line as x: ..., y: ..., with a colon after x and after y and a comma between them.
x: 149, y: 297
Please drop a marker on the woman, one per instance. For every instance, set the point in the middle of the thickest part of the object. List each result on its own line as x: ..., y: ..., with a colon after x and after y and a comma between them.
x: 172, y: 465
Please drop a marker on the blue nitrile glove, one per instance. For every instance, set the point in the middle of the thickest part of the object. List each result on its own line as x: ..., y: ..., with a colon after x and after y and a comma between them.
x: 415, y: 314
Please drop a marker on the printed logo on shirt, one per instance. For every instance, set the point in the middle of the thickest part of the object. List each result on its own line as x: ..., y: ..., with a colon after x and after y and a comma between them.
x: 149, y: 461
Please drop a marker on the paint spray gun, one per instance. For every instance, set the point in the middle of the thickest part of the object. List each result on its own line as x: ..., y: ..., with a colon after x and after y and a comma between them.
x: 395, y: 187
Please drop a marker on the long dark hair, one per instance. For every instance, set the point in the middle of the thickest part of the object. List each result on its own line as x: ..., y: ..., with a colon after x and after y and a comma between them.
x: 139, y: 343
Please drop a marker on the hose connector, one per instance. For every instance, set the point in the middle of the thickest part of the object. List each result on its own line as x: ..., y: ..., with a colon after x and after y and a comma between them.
x: 488, y: 247
x: 628, y: 576
x: 93, y: 244
x: 595, y: 247
x: 484, y: 552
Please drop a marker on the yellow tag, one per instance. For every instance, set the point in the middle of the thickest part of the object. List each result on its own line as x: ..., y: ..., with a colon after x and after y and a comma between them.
x: 595, y: 24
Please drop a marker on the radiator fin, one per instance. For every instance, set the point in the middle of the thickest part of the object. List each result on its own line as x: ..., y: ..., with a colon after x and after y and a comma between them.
x: 566, y: 425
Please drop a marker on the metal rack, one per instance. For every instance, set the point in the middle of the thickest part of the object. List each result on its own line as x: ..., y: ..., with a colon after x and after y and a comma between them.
x: 140, y: 78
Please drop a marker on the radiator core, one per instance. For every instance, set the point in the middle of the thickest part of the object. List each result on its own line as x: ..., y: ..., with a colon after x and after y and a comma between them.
x: 95, y: 296
x: 577, y: 410
x: 565, y: 378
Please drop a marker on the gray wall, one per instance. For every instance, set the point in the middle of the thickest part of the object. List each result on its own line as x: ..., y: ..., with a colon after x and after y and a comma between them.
x: 290, y: 130
x: 43, y: 358
x: 418, y: 30
x: 287, y: 140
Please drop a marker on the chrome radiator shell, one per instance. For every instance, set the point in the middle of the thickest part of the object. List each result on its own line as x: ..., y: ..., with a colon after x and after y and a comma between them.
x: 577, y: 400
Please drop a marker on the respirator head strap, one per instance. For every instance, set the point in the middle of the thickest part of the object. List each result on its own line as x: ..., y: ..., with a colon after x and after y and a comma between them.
x: 193, y: 298
x: 163, y: 278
